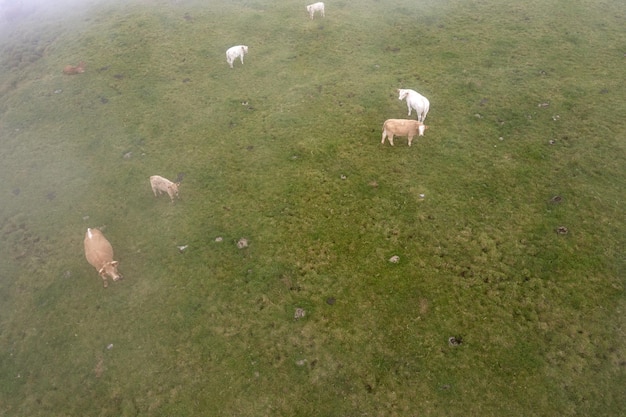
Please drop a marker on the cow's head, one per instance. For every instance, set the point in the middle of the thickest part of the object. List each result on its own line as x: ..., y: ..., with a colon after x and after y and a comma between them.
x: 421, y: 129
x: 173, y: 188
x: 402, y: 93
x: 110, y: 269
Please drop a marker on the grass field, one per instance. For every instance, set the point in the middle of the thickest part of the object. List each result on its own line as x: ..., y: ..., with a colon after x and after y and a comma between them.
x: 526, y: 141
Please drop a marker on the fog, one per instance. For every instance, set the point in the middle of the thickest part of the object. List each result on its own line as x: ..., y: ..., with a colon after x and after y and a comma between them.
x: 16, y: 11
x: 29, y: 14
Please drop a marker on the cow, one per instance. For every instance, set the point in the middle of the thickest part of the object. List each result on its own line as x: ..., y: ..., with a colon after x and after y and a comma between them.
x: 402, y: 127
x: 99, y: 254
x: 163, y: 185
x: 416, y: 101
x: 235, y: 52
x: 71, y: 69
x: 315, y: 7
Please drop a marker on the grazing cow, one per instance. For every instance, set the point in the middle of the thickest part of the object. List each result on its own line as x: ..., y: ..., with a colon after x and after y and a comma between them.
x: 71, y: 69
x: 163, y: 185
x: 236, y: 52
x: 315, y: 7
x: 416, y: 101
x: 402, y: 127
x: 99, y: 254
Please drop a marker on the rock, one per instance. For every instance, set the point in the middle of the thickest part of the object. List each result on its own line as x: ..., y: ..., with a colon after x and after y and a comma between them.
x: 299, y: 313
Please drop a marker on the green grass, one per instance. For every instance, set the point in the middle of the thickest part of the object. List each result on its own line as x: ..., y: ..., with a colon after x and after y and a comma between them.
x: 300, y: 172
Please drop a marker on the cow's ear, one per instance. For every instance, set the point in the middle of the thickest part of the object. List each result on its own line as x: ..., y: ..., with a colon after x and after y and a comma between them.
x: 425, y: 127
x: 114, y: 263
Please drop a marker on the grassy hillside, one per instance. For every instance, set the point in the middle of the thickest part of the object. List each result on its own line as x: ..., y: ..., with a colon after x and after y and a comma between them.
x: 507, y: 216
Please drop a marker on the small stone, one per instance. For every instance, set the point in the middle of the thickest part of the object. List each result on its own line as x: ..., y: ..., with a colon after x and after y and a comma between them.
x: 455, y: 341
x: 394, y: 259
x: 110, y: 346
x: 219, y: 239
x: 299, y: 313
x: 242, y: 243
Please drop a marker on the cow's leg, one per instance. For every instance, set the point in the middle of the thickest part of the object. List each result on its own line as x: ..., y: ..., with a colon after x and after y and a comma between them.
x: 105, y: 283
x: 391, y: 139
x: 410, y: 140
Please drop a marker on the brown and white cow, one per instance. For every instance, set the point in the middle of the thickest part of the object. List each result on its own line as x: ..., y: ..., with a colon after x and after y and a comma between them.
x: 163, y: 185
x: 402, y: 127
x: 99, y: 254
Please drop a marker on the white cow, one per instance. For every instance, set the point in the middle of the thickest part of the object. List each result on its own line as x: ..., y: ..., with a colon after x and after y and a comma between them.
x: 402, y: 127
x: 235, y: 52
x: 315, y: 7
x: 163, y: 185
x: 416, y: 101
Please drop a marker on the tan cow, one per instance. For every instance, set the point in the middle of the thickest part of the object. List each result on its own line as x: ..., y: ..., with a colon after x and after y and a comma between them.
x: 99, y: 254
x: 402, y: 127
x: 163, y: 185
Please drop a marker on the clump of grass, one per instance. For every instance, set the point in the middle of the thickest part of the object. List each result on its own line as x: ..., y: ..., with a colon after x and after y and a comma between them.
x: 285, y: 152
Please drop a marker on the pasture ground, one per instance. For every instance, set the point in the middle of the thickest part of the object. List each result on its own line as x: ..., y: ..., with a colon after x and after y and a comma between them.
x: 527, y: 135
